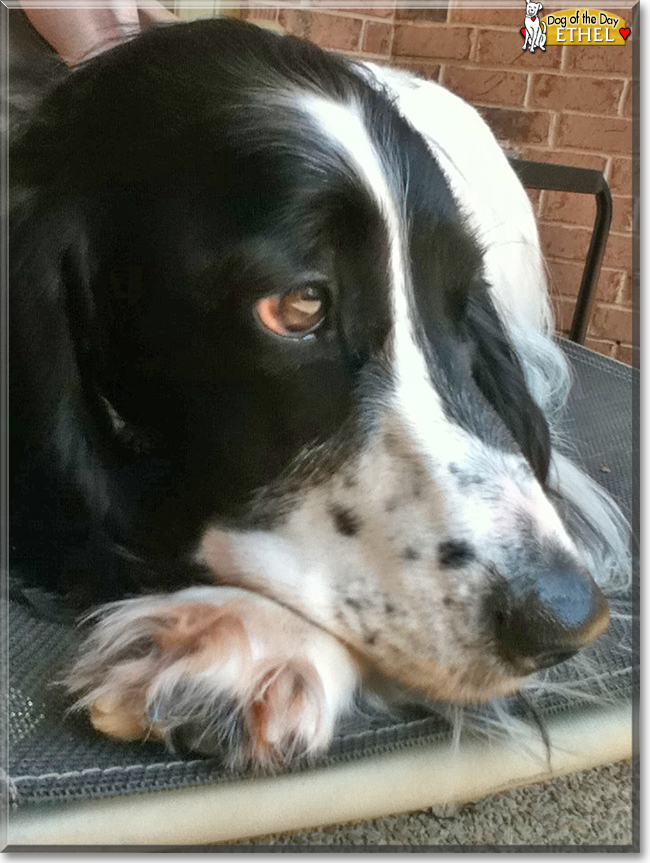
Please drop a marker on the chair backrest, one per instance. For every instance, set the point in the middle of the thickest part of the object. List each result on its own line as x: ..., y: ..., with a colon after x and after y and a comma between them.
x: 583, y: 181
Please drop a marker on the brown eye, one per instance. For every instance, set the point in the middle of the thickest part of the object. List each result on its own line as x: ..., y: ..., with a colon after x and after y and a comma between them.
x: 296, y: 313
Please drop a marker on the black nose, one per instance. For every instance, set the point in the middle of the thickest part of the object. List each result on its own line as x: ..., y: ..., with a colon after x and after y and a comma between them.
x: 545, y: 616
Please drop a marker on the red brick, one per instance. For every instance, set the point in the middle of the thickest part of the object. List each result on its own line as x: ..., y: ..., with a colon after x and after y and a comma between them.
x: 627, y: 100
x: 256, y: 14
x: 503, y: 48
x: 438, y: 14
x: 611, y: 322
x: 513, y: 126
x: 622, y: 213
x: 436, y: 42
x: 611, y: 286
x: 620, y: 176
x: 385, y: 11
x: 606, y: 348
x: 563, y: 308
x: 565, y: 277
x: 486, y: 17
x: 483, y: 86
x: 569, y: 208
x: 625, y: 294
x: 628, y: 355
x: 618, y: 254
x: 422, y: 70
x: 565, y: 157
x: 606, y: 134
x: 328, y: 31
x: 589, y: 95
x: 625, y: 14
x: 593, y: 58
x: 560, y: 241
x: 376, y: 39
x: 534, y: 196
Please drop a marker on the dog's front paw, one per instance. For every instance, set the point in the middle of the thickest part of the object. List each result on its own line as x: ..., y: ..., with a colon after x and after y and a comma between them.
x: 214, y: 670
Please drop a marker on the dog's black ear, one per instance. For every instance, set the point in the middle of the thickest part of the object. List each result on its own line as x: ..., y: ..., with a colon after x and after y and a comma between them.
x: 55, y: 433
x: 46, y: 285
x: 498, y: 373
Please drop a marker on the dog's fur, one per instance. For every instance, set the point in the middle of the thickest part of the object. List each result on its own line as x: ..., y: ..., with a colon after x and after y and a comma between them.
x: 288, y: 517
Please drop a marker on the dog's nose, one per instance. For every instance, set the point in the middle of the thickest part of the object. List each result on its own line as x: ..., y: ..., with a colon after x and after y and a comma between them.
x: 543, y: 618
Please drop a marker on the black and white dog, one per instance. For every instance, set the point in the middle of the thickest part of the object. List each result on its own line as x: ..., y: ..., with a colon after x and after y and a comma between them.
x: 282, y: 385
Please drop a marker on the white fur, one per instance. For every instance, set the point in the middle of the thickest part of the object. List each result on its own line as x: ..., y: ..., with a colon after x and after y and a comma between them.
x: 493, y: 200
x: 418, y: 402
x: 170, y: 690
x: 499, y: 210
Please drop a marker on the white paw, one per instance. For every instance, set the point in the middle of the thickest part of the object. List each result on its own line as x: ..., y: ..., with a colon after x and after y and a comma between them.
x: 216, y: 670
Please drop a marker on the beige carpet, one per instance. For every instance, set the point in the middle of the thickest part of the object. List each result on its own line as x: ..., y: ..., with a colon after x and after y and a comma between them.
x: 590, y: 808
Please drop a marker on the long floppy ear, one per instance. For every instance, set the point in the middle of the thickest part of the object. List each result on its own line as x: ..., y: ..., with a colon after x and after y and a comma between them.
x: 48, y: 295
x: 46, y: 257
x: 67, y: 509
x: 498, y: 373
x: 56, y: 471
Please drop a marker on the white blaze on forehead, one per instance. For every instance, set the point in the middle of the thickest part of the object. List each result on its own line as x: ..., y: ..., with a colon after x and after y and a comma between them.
x: 419, y: 404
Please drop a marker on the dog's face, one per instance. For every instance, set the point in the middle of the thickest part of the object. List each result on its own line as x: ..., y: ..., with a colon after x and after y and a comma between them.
x: 533, y: 9
x: 274, y: 295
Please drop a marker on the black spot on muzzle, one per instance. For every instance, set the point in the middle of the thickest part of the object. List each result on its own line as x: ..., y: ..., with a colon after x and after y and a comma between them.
x: 453, y: 554
x: 345, y: 521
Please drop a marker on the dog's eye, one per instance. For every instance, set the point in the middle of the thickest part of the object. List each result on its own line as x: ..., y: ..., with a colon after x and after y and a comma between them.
x: 294, y: 314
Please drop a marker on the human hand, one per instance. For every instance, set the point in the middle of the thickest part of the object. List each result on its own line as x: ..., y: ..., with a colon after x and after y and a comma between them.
x: 78, y: 33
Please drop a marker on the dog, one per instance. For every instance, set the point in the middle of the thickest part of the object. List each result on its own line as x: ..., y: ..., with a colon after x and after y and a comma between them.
x: 535, y: 29
x: 283, y: 386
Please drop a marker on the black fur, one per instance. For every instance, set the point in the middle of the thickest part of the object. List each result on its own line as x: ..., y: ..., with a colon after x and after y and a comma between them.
x: 453, y: 554
x: 345, y: 521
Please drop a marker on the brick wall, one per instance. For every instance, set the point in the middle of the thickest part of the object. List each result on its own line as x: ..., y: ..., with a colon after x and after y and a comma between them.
x: 571, y: 105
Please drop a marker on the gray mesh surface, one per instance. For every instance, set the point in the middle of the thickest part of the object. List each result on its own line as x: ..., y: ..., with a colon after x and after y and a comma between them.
x: 53, y: 757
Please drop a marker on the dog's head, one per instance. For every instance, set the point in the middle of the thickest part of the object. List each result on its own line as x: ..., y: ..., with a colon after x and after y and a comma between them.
x: 274, y: 325
x: 532, y: 8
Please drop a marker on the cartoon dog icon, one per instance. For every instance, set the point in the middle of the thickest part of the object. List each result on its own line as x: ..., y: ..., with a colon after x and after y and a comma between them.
x: 535, y: 29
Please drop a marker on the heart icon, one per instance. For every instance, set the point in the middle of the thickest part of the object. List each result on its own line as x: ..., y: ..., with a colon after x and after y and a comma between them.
x: 534, y: 18
x: 625, y: 32
x: 523, y: 31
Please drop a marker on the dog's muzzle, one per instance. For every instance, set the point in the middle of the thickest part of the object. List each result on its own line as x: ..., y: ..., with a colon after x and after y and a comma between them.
x: 544, y: 617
